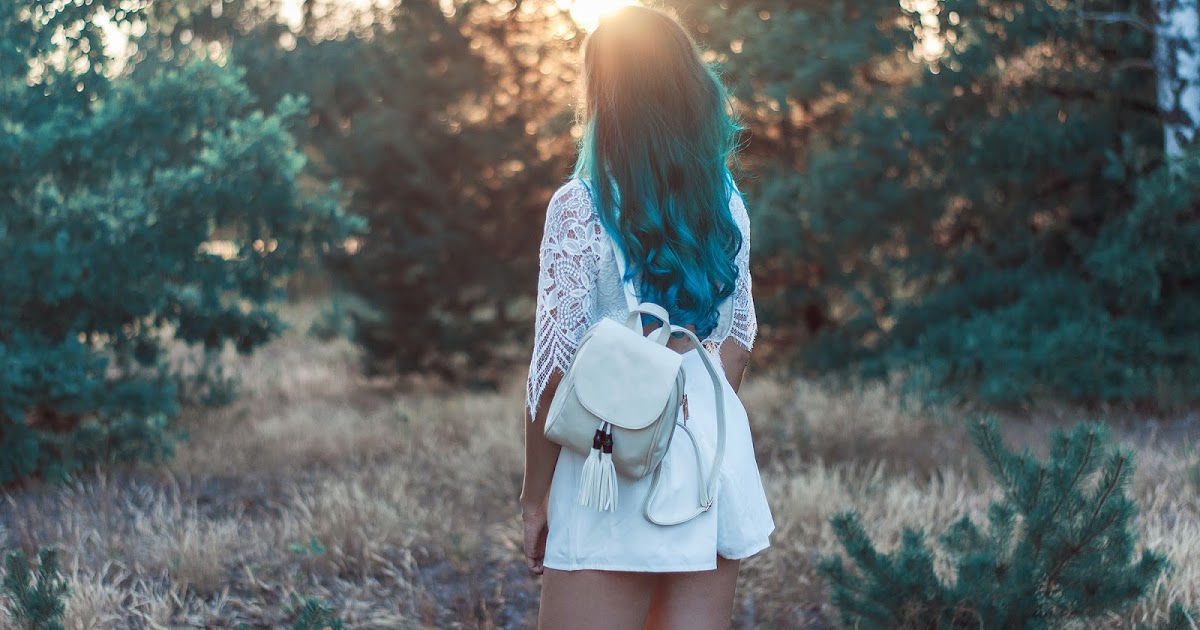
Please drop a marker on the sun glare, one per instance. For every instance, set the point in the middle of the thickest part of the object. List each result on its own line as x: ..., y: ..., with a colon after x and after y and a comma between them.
x: 587, y: 13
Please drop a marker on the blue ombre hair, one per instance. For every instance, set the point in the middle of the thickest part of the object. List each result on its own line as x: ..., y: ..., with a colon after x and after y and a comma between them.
x: 659, y: 134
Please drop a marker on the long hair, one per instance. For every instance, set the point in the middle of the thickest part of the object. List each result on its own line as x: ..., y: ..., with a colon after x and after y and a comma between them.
x: 657, y: 143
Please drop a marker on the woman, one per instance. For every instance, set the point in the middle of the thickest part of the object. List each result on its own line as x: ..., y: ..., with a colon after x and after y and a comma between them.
x: 651, y: 184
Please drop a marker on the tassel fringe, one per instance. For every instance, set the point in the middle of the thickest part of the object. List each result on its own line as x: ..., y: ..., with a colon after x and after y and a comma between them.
x: 598, y: 483
x: 608, y: 482
x: 588, y: 491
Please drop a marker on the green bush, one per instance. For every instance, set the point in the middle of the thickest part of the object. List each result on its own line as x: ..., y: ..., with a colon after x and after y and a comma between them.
x: 994, y: 220
x: 451, y: 169
x: 152, y: 206
x: 1058, y: 547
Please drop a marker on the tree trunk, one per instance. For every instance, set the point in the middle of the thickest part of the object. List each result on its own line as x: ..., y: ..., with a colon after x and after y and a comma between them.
x: 1177, y: 61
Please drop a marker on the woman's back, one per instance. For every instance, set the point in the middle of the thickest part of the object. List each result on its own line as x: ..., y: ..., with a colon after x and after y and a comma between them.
x: 579, y: 283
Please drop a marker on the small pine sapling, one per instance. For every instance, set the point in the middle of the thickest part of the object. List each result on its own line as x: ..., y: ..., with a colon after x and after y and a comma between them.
x: 37, y: 603
x: 1057, y: 547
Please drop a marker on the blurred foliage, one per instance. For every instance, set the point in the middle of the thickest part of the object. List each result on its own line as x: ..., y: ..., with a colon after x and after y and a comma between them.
x: 449, y: 124
x: 1058, y: 549
x: 342, y: 316
x: 969, y: 193
x: 132, y: 212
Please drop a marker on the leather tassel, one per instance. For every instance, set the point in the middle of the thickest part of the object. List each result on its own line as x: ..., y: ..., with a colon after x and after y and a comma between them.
x: 608, y: 479
x: 589, y: 480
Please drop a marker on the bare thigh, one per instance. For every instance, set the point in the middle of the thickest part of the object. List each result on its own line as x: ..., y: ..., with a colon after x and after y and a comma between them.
x: 600, y: 600
x: 699, y: 600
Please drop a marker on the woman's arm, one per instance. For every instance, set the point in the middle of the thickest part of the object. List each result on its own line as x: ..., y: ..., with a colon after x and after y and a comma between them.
x: 568, y: 267
x: 540, y: 453
x: 541, y: 456
x: 734, y: 359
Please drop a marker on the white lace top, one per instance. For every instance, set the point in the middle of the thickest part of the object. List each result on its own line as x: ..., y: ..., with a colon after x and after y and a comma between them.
x: 578, y: 283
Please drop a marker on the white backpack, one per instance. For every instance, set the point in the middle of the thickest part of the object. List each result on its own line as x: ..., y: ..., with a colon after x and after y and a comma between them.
x: 618, y: 403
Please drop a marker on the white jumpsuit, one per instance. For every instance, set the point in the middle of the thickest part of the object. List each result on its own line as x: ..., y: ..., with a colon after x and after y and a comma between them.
x: 578, y: 283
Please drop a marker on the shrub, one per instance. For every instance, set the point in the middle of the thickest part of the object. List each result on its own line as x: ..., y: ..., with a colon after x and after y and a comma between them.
x: 452, y: 170
x: 136, y: 209
x: 1057, y: 547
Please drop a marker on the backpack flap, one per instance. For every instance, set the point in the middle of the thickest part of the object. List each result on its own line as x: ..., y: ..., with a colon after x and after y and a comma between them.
x: 624, y: 378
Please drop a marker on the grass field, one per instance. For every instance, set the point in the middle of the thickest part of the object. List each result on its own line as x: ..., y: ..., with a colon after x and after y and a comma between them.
x: 395, y: 501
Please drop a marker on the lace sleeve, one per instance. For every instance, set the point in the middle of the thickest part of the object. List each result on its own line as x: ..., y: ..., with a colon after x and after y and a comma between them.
x: 744, y: 326
x: 569, y: 263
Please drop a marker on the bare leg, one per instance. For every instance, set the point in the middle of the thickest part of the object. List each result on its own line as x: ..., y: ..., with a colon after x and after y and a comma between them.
x: 599, y: 600
x: 699, y: 600
x: 655, y: 620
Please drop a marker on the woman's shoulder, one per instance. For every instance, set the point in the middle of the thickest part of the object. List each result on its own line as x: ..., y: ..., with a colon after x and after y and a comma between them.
x: 571, y: 202
x: 571, y: 188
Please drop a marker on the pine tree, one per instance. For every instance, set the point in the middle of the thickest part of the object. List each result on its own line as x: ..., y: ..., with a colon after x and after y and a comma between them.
x: 135, y: 208
x: 449, y: 123
x: 934, y: 182
x: 37, y: 602
x: 1057, y: 547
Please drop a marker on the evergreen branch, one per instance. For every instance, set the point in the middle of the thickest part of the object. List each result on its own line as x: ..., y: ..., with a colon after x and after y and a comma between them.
x: 846, y: 594
x: 1116, y: 481
x: 1037, y: 489
x: 1116, y: 18
x: 1087, y: 454
x: 1065, y: 492
x: 1134, y: 64
x: 988, y: 444
x: 1090, y: 532
x: 315, y: 615
x: 1092, y: 95
x: 37, y: 604
x: 16, y: 576
x: 850, y: 532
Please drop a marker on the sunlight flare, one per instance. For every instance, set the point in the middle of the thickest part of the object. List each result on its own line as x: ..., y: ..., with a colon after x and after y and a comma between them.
x: 587, y: 13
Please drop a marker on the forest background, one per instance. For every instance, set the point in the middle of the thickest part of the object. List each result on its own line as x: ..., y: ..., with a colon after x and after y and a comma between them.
x: 261, y: 259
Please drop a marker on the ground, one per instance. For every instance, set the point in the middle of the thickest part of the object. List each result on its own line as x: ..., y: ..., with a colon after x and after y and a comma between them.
x: 395, y: 500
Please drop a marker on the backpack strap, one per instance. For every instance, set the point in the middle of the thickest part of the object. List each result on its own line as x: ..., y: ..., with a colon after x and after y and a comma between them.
x: 706, y: 488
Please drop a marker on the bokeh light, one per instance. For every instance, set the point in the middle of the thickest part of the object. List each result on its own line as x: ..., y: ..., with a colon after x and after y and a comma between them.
x: 587, y: 13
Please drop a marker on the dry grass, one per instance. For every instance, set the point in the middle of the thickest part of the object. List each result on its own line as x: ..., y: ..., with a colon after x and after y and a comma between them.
x: 396, y: 502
